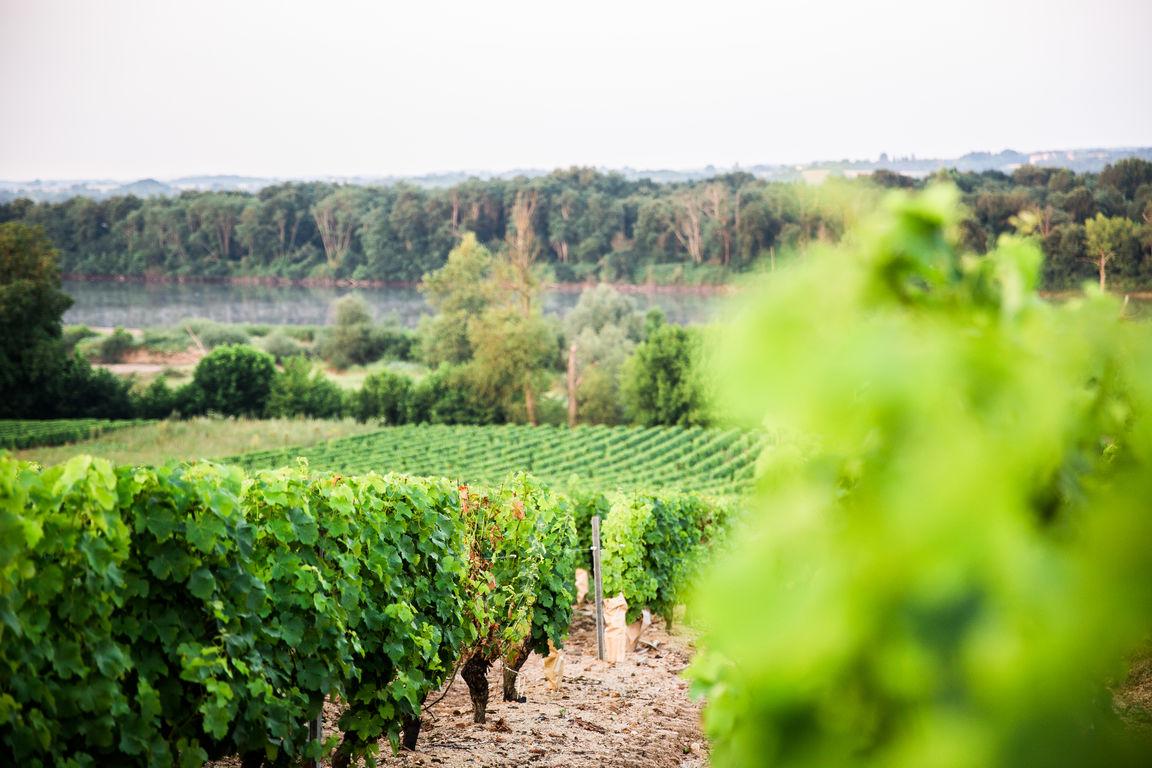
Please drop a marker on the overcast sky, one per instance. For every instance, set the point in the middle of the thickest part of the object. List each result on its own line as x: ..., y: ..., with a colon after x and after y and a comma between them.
x: 118, y: 89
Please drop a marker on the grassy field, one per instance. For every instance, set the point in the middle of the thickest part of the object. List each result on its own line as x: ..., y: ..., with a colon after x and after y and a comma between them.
x: 198, y: 438
x: 710, y: 461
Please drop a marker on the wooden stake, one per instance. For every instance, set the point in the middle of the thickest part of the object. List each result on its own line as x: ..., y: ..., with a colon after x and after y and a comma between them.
x: 572, y: 384
x: 599, y: 587
x: 316, y: 733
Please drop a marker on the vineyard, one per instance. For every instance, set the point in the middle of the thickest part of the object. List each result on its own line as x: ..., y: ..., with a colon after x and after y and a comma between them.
x: 938, y: 556
x: 180, y: 614
x: 692, y: 459
x: 31, y: 434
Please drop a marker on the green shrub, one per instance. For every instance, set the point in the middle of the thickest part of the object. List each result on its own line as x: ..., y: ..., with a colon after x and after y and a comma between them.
x: 281, y: 346
x: 167, y: 616
x: 522, y: 565
x: 346, y: 345
x: 218, y: 335
x: 587, y: 503
x: 87, y: 392
x: 114, y: 347
x: 393, y: 342
x: 157, y: 400
x: 384, y: 396
x: 234, y: 381
x: 74, y: 334
x: 354, y: 340
x: 166, y: 340
x: 368, y: 575
x: 297, y: 391
x: 304, y: 333
x: 449, y: 395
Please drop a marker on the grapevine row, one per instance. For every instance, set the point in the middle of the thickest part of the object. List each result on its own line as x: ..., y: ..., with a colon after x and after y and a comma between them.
x: 692, y: 459
x: 33, y: 434
x: 171, y: 615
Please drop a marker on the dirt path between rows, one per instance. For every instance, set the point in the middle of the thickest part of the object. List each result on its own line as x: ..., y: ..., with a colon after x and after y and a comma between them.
x: 636, y: 714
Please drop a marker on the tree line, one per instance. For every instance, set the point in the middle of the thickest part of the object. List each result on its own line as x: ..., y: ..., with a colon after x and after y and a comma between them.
x: 591, y: 225
x: 491, y: 355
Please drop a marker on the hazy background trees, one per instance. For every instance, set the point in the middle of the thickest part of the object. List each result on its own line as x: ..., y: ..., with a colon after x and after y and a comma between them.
x: 581, y: 223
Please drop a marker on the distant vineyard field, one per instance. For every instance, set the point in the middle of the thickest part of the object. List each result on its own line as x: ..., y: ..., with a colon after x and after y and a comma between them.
x: 30, y: 434
x: 693, y: 459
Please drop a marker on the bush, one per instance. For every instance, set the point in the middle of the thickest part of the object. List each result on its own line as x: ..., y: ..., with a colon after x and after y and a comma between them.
x: 74, y: 334
x: 114, y: 347
x: 297, y: 393
x: 522, y: 579
x: 257, y: 330
x: 346, y: 345
x: 234, y: 381
x: 281, y: 346
x: 216, y: 335
x: 171, y: 615
x: 394, y: 343
x: 351, y: 310
x: 166, y: 339
x: 449, y: 395
x: 385, y: 396
x: 88, y: 392
x: 354, y: 340
x: 303, y: 333
x: 159, y: 401
x: 654, y: 545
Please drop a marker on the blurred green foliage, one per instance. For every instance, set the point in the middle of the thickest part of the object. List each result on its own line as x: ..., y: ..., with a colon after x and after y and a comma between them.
x: 952, y: 549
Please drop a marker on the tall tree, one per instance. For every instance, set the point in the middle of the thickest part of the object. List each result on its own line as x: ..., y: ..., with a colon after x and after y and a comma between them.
x: 689, y: 224
x: 602, y: 330
x: 1105, y: 237
x: 31, y: 305
x: 458, y: 291
x: 522, y: 249
x: 662, y: 384
x: 512, y: 353
x: 523, y: 285
x: 337, y: 217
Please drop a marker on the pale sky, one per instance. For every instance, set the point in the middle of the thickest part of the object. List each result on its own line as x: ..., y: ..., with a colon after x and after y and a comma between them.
x: 124, y: 90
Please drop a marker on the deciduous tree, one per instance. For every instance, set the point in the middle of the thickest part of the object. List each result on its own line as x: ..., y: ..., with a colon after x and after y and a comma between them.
x: 1107, y: 236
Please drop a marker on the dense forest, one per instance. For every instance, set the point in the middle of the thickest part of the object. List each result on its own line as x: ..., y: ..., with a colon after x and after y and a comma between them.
x: 593, y: 225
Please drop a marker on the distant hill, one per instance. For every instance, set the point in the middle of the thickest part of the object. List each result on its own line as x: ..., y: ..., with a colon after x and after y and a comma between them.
x: 1006, y: 161
x: 143, y: 188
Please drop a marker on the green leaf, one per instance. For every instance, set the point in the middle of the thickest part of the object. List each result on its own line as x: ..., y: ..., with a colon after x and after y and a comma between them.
x: 202, y: 584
